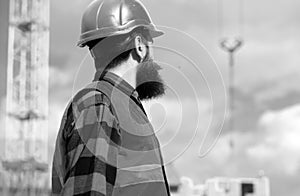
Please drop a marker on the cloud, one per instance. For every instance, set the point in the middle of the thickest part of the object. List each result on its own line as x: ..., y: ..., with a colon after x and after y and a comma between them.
x: 246, y: 112
x: 59, y: 78
x: 178, y: 123
x: 270, y: 53
x: 273, y: 147
x: 281, y: 142
x: 289, y: 98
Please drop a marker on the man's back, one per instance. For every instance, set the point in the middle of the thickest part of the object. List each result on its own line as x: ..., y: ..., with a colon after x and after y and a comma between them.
x: 106, y: 145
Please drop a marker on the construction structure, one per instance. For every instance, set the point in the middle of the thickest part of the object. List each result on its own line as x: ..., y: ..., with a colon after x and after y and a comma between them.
x: 25, y: 162
x: 231, y: 33
x: 237, y: 187
x: 221, y: 186
x: 231, y: 46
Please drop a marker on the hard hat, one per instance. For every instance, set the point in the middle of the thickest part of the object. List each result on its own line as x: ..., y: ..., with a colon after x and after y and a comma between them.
x: 104, y: 18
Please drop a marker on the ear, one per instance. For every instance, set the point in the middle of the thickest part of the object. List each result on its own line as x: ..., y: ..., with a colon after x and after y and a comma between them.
x: 140, y: 47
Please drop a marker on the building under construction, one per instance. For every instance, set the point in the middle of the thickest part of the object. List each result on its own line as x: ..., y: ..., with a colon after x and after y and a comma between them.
x: 24, y: 165
x: 223, y: 186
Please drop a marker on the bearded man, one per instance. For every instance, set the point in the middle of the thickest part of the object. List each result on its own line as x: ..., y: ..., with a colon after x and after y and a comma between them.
x: 106, y: 144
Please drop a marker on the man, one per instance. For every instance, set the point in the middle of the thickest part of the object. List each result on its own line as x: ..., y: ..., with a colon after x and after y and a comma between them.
x: 106, y: 144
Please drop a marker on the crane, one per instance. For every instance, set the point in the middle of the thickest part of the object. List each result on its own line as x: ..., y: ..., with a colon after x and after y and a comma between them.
x: 26, y: 134
x: 231, y: 14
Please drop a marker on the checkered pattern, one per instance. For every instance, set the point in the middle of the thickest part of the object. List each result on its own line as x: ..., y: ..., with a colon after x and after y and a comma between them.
x: 88, y: 134
x: 97, y: 154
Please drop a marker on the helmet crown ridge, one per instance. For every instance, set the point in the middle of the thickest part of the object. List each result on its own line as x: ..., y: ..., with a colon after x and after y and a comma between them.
x: 104, y: 18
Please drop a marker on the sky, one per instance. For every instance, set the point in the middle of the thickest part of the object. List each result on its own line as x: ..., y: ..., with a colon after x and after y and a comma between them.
x: 190, y: 118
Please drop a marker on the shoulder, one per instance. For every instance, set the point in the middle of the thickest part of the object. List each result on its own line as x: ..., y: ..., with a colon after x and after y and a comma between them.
x: 90, y: 98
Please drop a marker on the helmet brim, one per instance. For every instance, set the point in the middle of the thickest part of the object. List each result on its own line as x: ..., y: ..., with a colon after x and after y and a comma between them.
x: 108, y: 32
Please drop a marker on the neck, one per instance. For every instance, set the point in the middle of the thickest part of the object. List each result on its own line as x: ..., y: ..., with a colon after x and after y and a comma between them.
x: 127, y: 71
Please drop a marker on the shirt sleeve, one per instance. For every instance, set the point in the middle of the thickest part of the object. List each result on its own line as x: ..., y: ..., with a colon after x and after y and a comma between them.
x: 92, y: 152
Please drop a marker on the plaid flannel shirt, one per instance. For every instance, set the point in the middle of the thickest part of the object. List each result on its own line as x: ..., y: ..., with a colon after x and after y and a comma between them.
x: 95, y: 153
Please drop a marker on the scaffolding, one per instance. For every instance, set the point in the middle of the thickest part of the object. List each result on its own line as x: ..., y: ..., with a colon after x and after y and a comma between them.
x: 26, y: 136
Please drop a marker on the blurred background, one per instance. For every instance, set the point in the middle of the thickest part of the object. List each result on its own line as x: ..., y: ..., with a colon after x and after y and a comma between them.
x: 258, y: 137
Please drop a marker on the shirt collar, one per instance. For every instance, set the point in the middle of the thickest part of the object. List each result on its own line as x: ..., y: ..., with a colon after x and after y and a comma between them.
x: 117, y: 82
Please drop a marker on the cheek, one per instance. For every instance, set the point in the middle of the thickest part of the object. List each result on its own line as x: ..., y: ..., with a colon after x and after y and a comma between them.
x: 149, y: 54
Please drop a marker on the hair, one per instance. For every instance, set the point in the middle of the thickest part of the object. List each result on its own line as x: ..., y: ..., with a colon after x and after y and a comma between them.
x: 117, y: 49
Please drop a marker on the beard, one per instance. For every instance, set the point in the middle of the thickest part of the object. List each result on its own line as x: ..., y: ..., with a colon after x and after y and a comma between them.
x: 149, y: 83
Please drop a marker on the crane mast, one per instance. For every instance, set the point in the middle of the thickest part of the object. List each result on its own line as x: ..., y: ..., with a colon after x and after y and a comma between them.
x: 26, y: 134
